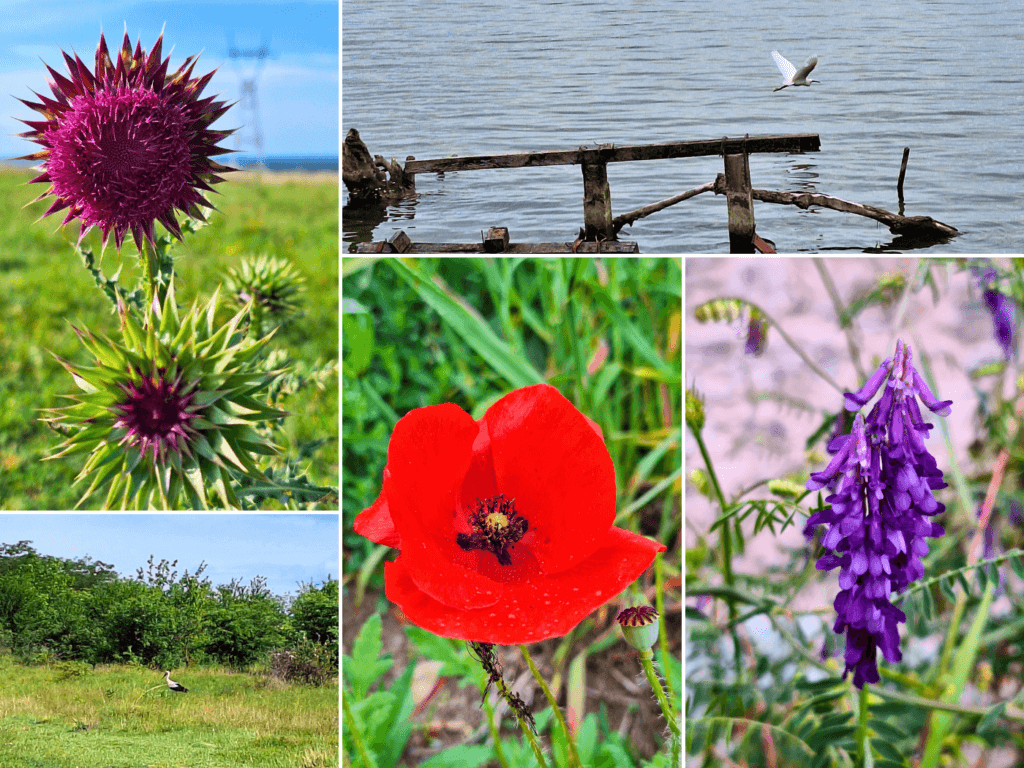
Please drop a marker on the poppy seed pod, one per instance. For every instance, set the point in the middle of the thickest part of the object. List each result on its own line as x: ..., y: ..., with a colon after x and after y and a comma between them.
x: 639, y: 626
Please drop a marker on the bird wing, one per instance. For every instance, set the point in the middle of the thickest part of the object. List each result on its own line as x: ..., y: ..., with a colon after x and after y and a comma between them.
x: 805, y: 70
x: 787, y: 69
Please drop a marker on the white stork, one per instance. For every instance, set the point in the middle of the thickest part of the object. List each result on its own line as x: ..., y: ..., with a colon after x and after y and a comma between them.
x: 176, y: 687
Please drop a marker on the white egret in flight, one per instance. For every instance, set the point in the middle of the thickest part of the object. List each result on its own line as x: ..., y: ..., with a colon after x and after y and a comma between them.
x: 793, y: 75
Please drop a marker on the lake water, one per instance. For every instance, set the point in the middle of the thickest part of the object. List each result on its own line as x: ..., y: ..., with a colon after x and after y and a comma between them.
x: 946, y: 79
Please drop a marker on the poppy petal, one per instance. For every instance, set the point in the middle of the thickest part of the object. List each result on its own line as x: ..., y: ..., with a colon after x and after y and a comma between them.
x: 534, y: 609
x: 375, y: 523
x: 428, y: 455
x: 547, y: 457
x: 446, y: 582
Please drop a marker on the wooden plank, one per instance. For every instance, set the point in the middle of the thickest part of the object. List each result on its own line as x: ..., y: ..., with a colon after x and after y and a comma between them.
x: 419, y: 249
x: 798, y: 142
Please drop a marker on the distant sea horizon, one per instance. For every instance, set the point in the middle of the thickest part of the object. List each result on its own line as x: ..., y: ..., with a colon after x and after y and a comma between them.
x: 286, y: 162
x: 270, y: 162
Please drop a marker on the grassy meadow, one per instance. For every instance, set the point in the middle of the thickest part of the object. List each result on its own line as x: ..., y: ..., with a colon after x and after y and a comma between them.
x: 44, y: 289
x: 74, y: 716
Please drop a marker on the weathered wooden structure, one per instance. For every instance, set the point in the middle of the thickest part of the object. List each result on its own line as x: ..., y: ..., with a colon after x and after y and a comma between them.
x: 400, y: 243
x: 598, y: 223
x: 601, y: 228
x: 365, y: 176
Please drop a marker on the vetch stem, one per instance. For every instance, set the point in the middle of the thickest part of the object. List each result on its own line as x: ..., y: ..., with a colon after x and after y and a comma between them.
x: 574, y: 758
x: 726, y: 539
x: 862, y: 727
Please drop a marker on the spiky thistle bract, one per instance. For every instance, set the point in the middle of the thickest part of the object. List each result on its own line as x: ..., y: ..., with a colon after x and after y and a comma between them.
x: 273, y: 283
x: 167, y: 417
x: 127, y: 144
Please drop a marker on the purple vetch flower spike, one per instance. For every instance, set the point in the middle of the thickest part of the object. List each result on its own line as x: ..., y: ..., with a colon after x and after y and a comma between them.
x: 757, y: 335
x: 882, y: 478
x: 923, y: 391
x: 857, y: 400
x: 1002, y: 308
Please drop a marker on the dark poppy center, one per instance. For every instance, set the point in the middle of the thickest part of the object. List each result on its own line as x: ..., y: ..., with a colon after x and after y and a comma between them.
x: 496, y: 527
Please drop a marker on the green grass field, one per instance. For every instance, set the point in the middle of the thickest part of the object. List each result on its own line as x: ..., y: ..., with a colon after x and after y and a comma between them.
x: 74, y: 716
x: 44, y: 289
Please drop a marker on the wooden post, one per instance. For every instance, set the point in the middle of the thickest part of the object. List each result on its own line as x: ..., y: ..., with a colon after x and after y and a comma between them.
x: 740, y: 203
x: 903, y: 173
x: 597, y: 202
x: 399, y: 243
x: 496, y: 240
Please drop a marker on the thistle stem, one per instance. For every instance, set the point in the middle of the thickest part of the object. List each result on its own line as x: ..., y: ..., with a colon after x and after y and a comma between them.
x: 574, y: 758
x: 148, y: 260
x: 659, y: 691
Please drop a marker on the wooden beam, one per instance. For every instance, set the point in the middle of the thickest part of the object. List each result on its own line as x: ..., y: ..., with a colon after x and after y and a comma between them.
x: 800, y: 142
x: 616, y: 246
x: 628, y: 218
x: 898, y: 225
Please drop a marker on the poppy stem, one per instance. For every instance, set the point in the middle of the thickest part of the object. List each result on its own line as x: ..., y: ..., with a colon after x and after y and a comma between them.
x: 652, y: 678
x: 356, y: 736
x: 659, y: 604
x: 574, y: 758
x: 528, y: 732
x: 496, y: 735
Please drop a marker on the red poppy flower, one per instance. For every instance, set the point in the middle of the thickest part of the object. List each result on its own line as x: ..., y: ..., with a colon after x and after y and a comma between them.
x: 504, y: 524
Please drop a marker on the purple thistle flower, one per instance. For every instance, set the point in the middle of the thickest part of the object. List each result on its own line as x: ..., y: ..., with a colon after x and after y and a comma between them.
x: 126, y: 144
x: 156, y: 414
x: 882, y: 478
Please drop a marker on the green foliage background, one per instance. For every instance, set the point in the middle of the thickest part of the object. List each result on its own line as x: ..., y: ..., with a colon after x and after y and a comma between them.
x: 44, y: 289
x: 419, y: 332
x: 81, y: 610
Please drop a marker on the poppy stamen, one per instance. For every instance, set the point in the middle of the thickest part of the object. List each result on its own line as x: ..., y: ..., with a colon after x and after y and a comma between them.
x: 496, y: 527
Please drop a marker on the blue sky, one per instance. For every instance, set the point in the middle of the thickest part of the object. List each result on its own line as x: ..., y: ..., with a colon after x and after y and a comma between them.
x: 297, y: 87
x: 285, y: 549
